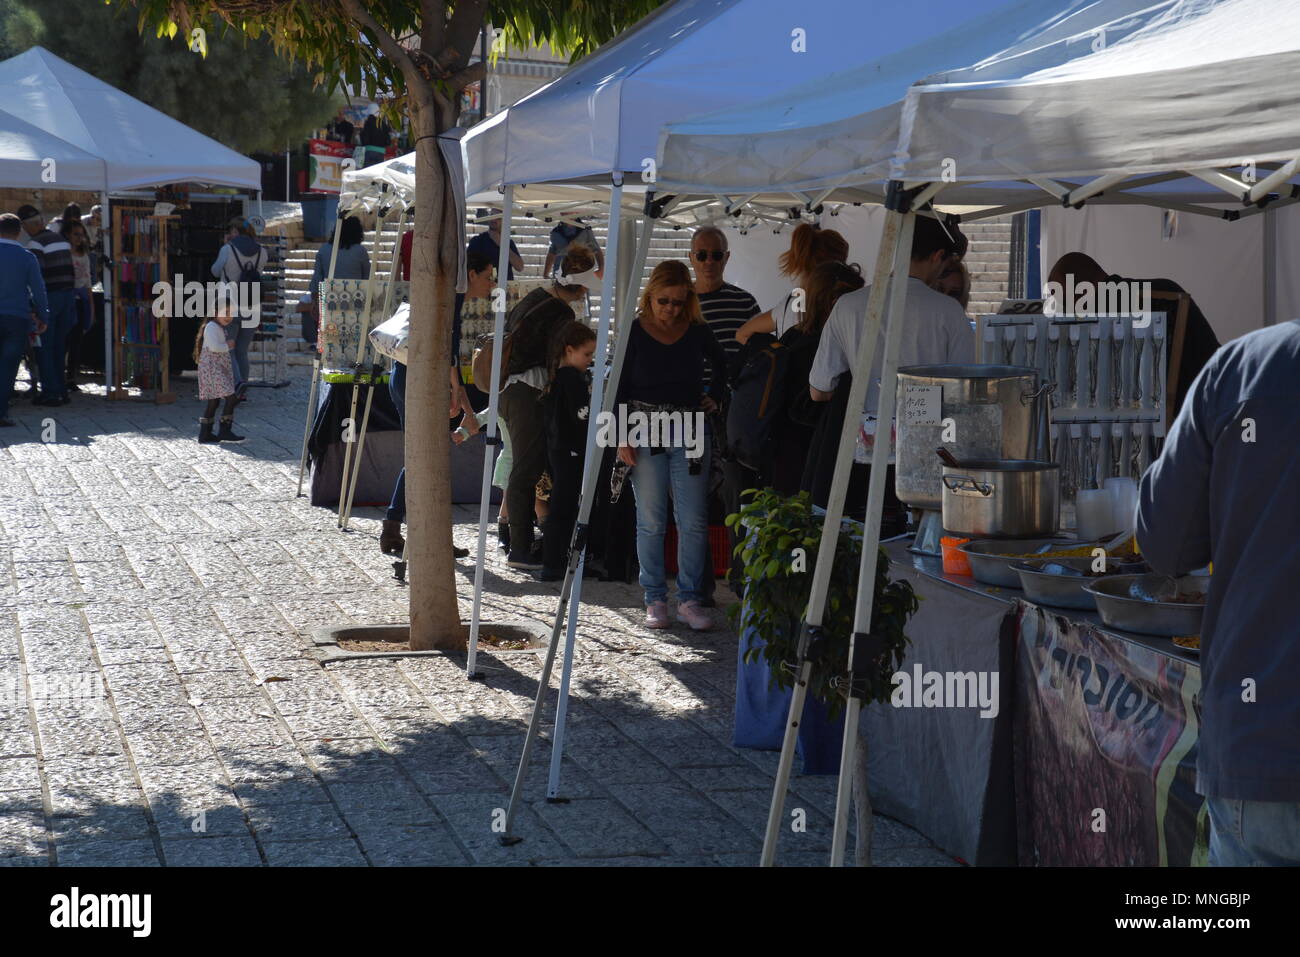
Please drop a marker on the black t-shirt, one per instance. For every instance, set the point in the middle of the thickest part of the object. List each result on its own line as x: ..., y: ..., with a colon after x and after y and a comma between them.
x: 1199, y: 341
x: 532, y: 325
x: 672, y: 374
x: 567, y: 404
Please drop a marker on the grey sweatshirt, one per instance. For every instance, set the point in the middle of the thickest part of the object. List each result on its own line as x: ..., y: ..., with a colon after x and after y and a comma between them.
x: 1225, y: 490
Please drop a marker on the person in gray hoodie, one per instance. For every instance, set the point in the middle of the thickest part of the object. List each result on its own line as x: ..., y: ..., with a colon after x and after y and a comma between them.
x: 241, y: 256
x: 1223, y: 491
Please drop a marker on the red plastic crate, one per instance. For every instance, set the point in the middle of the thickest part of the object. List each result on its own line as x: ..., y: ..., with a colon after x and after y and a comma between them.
x: 719, y: 548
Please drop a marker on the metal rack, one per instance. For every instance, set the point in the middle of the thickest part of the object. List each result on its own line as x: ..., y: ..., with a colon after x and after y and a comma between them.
x: 1109, y: 405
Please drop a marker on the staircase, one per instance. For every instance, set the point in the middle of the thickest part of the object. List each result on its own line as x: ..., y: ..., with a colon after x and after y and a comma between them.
x: 987, y: 259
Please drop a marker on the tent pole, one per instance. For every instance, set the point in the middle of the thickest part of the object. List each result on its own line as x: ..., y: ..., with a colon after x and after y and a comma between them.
x: 374, y: 367
x: 613, y: 303
x: 315, y: 365
x: 493, y: 439
x: 890, y: 246
x: 603, y: 394
x: 871, y: 530
x: 361, y: 353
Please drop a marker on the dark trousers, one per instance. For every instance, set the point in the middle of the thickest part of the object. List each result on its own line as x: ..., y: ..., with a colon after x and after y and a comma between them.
x: 52, y: 354
x: 566, y: 489
x: 13, y: 340
x: 397, y: 389
x: 520, y: 405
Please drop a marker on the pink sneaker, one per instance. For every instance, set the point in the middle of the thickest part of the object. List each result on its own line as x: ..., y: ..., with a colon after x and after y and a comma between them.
x: 656, y: 614
x: 692, y: 614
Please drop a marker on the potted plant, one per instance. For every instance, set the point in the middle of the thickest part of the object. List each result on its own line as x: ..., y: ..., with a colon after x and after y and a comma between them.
x: 778, y: 544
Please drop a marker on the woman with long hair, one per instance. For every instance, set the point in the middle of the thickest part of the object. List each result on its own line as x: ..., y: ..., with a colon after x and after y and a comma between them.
x: 532, y: 325
x: 810, y: 246
x: 241, y: 253
x: 353, y: 263
x: 662, y: 381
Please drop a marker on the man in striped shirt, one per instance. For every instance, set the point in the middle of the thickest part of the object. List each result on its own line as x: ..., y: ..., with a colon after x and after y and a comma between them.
x: 726, y: 308
x: 54, y: 255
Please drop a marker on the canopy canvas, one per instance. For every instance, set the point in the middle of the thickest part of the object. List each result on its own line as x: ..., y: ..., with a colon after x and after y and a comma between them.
x: 140, y: 146
x: 31, y: 158
x: 1090, y: 89
x: 604, y: 115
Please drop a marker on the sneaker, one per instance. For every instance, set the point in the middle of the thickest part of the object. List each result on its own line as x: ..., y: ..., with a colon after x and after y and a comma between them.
x: 516, y: 560
x: 656, y: 614
x: 690, y: 613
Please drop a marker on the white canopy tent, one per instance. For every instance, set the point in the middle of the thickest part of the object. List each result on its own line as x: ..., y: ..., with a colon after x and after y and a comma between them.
x: 140, y: 146
x: 31, y: 158
x: 1097, y: 92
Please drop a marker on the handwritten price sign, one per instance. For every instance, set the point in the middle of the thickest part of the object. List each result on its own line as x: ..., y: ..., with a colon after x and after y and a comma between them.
x: 922, y: 405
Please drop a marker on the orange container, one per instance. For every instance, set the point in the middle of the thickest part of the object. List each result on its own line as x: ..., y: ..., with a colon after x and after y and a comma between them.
x: 954, y: 561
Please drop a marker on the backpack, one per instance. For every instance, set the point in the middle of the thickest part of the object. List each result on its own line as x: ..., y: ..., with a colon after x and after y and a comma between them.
x: 248, y: 271
x: 757, y: 400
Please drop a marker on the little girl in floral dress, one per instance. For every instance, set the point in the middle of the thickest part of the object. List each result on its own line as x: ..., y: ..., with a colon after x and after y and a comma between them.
x: 216, y: 377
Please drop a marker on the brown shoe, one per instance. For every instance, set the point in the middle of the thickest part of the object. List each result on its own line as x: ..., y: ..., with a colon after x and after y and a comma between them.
x: 390, y: 538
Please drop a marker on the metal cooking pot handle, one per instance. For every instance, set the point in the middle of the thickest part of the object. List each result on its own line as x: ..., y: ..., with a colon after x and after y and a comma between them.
x: 1046, y: 389
x: 966, y: 485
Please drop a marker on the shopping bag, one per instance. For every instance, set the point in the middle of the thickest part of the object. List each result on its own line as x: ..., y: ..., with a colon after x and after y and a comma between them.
x: 390, y: 337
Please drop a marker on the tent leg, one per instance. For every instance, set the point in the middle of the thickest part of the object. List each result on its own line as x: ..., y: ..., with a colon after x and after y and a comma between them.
x: 493, y: 433
x: 871, y: 530
x: 593, y: 455
x: 306, y: 428
x: 603, y: 394
x: 349, y: 440
x: 890, y: 246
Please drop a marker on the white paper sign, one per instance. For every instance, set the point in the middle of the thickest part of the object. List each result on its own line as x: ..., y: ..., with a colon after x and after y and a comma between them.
x: 922, y: 404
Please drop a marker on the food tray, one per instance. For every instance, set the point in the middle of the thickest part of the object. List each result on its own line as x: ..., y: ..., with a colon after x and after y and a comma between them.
x: 1061, y: 591
x: 991, y: 559
x: 1119, y: 609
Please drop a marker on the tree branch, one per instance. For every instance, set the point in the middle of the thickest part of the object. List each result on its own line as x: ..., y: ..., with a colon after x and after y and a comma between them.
x: 462, y: 33
x: 392, y: 49
x: 471, y: 74
x: 433, y: 24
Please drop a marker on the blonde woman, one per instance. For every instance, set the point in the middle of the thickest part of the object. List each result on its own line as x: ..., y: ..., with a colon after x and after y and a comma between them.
x: 663, y: 377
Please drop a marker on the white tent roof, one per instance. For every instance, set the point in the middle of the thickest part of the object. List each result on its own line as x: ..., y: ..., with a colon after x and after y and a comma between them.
x: 141, y: 146
x: 691, y: 56
x: 31, y: 158
x: 1036, y: 102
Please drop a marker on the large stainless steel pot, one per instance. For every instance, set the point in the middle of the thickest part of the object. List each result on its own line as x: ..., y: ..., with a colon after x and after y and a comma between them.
x: 1001, y: 499
x: 992, y: 418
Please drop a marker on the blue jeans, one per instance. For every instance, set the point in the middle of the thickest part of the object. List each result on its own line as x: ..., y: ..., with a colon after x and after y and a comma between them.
x: 397, y: 389
x: 1254, y: 833
x: 14, y: 331
x: 54, y: 343
x: 652, y: 479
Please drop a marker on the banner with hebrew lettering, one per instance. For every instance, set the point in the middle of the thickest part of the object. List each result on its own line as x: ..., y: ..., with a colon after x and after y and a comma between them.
x: 1105, y: 749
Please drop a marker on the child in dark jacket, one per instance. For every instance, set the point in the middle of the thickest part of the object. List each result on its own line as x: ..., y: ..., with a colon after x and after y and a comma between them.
x: 567, y: 405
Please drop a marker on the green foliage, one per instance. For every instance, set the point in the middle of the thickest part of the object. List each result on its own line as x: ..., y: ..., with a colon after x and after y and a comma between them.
x: 778, y: 587
x: 242, y: 94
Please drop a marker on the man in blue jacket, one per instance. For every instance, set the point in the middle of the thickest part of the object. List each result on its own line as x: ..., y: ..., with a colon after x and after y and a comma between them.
x: 1224, y: 490
x: 20, y: 286
x: 54, y: 256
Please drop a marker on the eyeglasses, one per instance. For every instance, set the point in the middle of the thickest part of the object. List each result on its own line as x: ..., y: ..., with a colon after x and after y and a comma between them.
x: 665, y: 301
x: 703, y: 255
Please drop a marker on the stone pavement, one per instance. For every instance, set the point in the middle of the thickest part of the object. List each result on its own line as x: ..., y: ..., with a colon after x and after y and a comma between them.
x: 151, y: 589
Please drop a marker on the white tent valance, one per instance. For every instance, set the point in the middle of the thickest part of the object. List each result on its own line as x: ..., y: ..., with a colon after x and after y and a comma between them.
x: 32, y: 158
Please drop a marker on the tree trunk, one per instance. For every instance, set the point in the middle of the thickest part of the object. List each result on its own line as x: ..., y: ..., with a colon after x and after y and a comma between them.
x: 435, y: 613
x: 862, y: 804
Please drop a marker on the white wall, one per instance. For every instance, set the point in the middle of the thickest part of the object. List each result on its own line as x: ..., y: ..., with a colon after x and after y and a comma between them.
x: 753, y: 265
x: 1220, y: 263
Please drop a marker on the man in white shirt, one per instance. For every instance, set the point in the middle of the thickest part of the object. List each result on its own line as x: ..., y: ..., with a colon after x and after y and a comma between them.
x: 935, y: 329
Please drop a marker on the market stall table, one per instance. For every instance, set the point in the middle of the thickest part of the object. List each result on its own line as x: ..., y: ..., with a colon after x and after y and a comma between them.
x: 1089, y: 758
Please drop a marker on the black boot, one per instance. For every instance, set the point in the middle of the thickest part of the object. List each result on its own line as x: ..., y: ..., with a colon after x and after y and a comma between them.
x: 227, y: 434
x: 503, y: 535
x: 205, y: 432
x: 390, y: 537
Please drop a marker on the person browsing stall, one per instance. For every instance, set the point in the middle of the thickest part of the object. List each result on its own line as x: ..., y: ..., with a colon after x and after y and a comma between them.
x: 241, y: 256
x: 21, y: 288
x: 663, y: 379
x: 565, y: 235
x: 488, y: 243
x: 54, y: 254
x: 810, y: 246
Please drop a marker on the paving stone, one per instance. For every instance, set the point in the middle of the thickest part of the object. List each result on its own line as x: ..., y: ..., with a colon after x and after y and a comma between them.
x: 685, y: 820
x: 79, y: 852
x: 19, y: 774
x: 296, y: 822
x: 410, y: 846
x: 599, y: 828
x: 477, y: 818
x: 334, y: 853
x: 211, y: 852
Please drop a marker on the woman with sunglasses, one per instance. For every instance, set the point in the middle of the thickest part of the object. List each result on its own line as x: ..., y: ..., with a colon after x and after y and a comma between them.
x: 663, y: 380
x: 810, y: 246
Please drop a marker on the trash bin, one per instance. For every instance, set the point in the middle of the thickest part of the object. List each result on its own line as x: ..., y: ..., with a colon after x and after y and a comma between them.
x: 318, y: 213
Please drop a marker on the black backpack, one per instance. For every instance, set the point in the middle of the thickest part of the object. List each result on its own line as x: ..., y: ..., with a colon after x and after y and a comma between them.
x: 248, y: 271
x: 758, y: 399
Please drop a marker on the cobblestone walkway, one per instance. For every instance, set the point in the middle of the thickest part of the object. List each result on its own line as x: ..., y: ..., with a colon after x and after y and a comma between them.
x: 152, y: 590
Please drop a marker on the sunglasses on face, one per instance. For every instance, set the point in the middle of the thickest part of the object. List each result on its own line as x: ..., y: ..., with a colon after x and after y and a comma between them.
x: 704, y: 255
x: 665, y: 301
